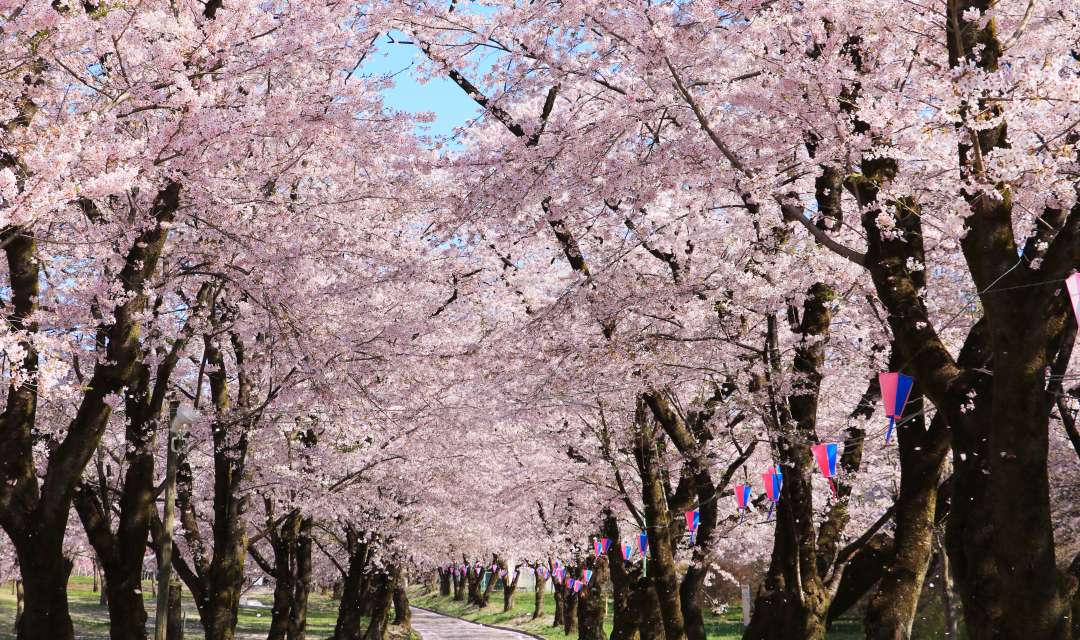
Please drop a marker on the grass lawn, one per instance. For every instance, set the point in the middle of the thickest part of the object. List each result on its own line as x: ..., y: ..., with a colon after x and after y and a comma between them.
x: 726, y: 627
x: 91, y: 620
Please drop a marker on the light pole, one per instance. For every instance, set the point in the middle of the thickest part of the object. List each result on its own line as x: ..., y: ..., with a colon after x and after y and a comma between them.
x: 181, y: 418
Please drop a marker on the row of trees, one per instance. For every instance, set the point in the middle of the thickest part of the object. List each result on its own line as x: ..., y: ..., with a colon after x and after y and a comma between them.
x: 672, y: 252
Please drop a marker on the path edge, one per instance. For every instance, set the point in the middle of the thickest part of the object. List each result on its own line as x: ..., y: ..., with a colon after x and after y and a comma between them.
x: 480, y: 624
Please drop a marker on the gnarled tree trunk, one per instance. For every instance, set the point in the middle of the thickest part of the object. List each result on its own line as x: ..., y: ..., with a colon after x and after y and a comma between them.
x: 592, y: 601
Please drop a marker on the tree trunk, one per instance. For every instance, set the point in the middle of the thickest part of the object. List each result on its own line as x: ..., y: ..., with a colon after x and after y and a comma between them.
x: 283, y: 584
x: 459, y: 585
x: 45, y: 572
x: 592, y: 602
x: 382, y: 592
x: 18, y: 587
x: 647, y: 604
x: 538, y: 596
x: 473, y: 581
x: 402, y: 613
x: 559, y: 594
x: 127, y: 611
x: 1025, y: 322
x: 216, y: 584
x: 570, y: 612
x: 891, y: 611
x: 352, y: 593
x: 863, y: 571
x: 509, y: 589
x: 493, y: 577
x: 445, y: 578
x: 626, y: 617
x: 174, y: 626
x: 302, y: 583
x: 950, y: 621
x: 654, y: 497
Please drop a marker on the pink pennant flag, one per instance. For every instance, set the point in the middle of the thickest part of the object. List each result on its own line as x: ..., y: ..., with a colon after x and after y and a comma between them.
x: 1072, y: 283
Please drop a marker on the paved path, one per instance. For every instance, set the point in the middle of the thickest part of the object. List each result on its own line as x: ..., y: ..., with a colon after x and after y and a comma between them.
x: 432, y: 626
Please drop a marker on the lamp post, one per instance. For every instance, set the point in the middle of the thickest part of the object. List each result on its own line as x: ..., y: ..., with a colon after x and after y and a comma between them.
x: 181, y: 418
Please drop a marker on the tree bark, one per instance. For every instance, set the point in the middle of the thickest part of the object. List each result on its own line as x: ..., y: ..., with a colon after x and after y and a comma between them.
x: 473, y: 582
x: 459, y: 585
x: 645, y: 601
x: 18, y: 588
x: 627, y: 615
x: 509, y: 589
x: 382, y: 592
x: 559, y: 594
x: 44, y: 571
x: 402, y: 613
x: 891, y: 611
x: 570, y: 612
x: 592, y: 602
x: 654, y: 497
x: 217, y: 583
x: 445, y: 578
x: 352, y: 592
x: 302, y: 584
x: 485, y: 596
x: 538, y: 596
x: 174, y: 626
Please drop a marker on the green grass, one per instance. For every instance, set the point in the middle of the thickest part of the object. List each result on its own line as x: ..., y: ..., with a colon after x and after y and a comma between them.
x: 91, y: 620
x: 725, y: 627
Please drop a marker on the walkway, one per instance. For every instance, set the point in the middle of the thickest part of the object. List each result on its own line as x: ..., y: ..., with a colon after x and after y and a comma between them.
x: 432, y: 626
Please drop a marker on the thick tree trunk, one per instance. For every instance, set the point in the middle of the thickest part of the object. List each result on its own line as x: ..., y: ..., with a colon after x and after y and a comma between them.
x: 174, y: 626
x: 645, y: 601
x: 636, y: 608
x: 382, y: 595
x: 492, y: 578
x: 863, y: 571
x: 473, y: 581
x: 445, y: 578
x: 625, y: 617
x: 45, y: 572
x: 279, y: 614
x: 592, y: 602
x: 509, y: 589
x: 127, y: 612
x: 559, y: 594
x: 402, y: 613
x: 654, y: 497
x: 352, y: 592
x: 302, y: 584
x: 922, y: 457
x: 538, y: 597
x: 459, y: 586
x: 570, y: 612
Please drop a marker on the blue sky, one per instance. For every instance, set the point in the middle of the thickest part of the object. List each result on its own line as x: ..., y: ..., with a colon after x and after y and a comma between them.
x: 452, y: 108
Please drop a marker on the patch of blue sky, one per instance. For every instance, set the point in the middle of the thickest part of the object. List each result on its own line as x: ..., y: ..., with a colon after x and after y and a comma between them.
x: 395, y: 56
